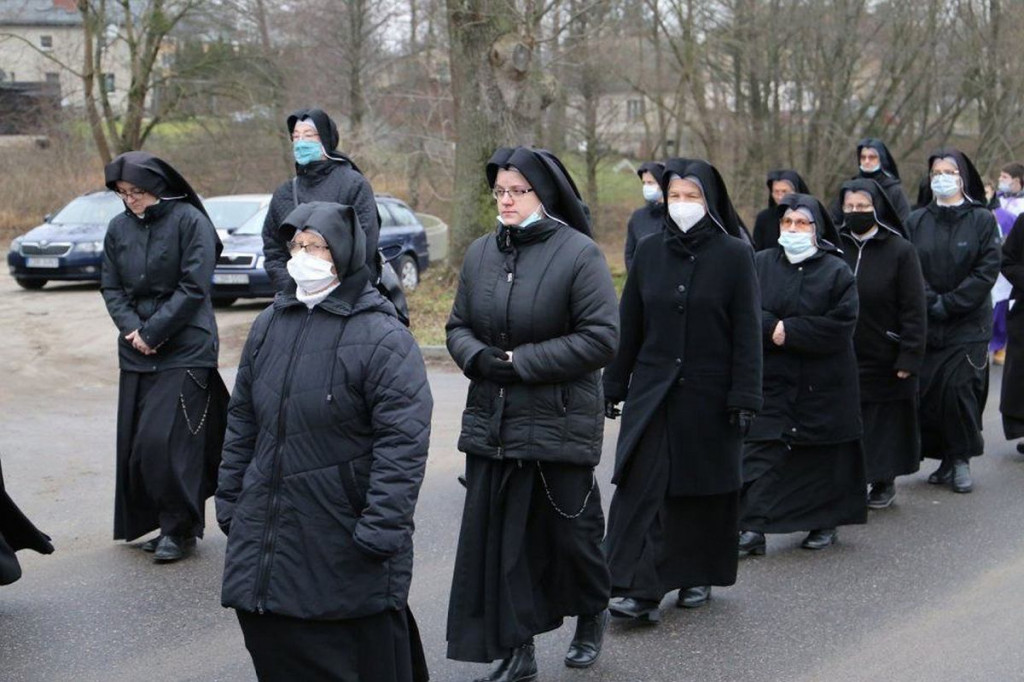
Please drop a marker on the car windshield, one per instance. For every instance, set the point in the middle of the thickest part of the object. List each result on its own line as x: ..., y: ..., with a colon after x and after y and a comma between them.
x: 228, y: 214
x: 254, y: 225
x: 93, y: 209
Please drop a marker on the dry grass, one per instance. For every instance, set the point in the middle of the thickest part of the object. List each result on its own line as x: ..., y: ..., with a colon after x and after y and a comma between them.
x: 431, y: 303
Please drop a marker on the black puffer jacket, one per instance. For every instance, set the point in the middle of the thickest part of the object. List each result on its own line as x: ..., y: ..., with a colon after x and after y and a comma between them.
x: 645, y: 221
x: 959, y: 248
x: 157, y: 274
x: 547, y: 295
x: 326, y: 446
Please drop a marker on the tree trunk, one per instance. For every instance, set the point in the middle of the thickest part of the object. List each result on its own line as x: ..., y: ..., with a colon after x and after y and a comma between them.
x: 495, y: 104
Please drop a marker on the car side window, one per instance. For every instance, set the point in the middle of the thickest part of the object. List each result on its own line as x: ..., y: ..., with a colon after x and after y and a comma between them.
x: 402, y: 214
x: 386, y: 218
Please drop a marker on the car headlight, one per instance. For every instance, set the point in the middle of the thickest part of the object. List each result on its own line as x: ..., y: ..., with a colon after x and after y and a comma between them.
x: 16, y: 244
x: 89, y: 247
x: 259, y: 262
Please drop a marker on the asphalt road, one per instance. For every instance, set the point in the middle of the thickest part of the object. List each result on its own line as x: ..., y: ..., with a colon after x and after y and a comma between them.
x: 930, y: 589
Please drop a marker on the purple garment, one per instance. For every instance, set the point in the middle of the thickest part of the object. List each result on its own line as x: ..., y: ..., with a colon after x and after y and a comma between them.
x: 1005, y: 219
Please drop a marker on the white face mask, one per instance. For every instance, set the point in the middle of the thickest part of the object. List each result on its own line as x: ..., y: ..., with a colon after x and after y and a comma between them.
x: 310, y: 273
x: 651, y: 192
x: 686, y: 214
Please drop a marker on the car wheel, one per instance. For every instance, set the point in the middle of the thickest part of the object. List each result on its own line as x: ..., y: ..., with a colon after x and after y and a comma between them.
x: 223, y: 302
x: 30, y: 284
x: 408, y: 273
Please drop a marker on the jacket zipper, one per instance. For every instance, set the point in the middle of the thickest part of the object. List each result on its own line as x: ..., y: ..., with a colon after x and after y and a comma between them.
x: 273, y: 505
x: 860, y: 253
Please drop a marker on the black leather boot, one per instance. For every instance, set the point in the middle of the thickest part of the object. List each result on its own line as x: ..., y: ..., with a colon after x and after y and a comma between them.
x: 586, y: 643
x: 150, y: 545
x: 962, y: 482
x: 943, y: 475
x: 820, y: 539
x: 752, y: 543
x: 171, y: 548
x: 521, y: 666
x: 645, y: 610
x: 693, y: 597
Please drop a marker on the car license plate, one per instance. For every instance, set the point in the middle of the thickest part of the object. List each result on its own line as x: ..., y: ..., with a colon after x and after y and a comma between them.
x: 225, y: 278
x: 34, y: 262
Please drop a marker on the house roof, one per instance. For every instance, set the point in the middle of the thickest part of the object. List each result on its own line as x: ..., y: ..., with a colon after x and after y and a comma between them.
x: 39, y: 13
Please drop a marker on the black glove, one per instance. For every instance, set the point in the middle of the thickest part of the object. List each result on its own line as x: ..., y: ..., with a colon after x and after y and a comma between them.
x: 610, y: 409
x: 741, y: 420
x: 494, y: 365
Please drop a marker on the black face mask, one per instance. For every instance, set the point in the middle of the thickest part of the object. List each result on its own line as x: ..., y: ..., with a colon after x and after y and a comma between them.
x: 859, y: 223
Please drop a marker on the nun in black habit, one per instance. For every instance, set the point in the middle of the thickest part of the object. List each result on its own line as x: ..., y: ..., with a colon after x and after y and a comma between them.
x: 876, y: 163
x: 890, y: 336
x: 958, y: 244
x: 322, y: 173
x: 803, y: 469
x: 158, y: 261
x: 766, y: 225
x: 649, y: 218
x: 535, y: 319
x: 16, y: 533
x: 1011, y: 403
x: 689, y: 370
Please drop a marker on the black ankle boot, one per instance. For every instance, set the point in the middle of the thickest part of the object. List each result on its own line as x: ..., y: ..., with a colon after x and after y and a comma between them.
x: 752, y: 543
x: 521, y: 666
x: 962, y: 482
x: 586, y: 644
x: 943, y: 475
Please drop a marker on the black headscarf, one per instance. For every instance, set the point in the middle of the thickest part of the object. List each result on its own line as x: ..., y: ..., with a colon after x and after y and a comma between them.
x: 326, y: 128
x: 152, y: 174
x: 339, y: 226
x: 885, y: 214
x: 824, y: 228
x: 716, y: 196
x: 787, y: 175
x: 887, y: 164
x: 655, y: 168
x: 972, y: 184
x: 548, y: 178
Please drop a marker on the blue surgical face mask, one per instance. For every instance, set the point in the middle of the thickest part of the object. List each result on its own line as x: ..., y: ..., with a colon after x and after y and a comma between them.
x: 868, y: 170
x: 651, y: 192
x: 307, y: 151
x: 1004, y: 187
x: 945, y: 186
x: 532, y: 218
x: 795, y: 243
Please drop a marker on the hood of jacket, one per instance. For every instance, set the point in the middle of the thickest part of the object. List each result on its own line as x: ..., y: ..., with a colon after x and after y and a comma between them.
x: 825, y: 229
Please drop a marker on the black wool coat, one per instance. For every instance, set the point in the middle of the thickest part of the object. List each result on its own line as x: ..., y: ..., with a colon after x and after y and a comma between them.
x: 1012, y: 401
x: 547, y: 296
x: 326, y: 446
x: 157, y: 276
x: 645, y: 221
x: 960, y: 254
x: 811, y: 393
x: 691, y: 324
x: 892, y: 322
x: 330, y: 180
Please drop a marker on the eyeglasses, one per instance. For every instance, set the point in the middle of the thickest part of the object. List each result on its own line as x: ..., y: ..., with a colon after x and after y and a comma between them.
x: 295, y: 247
x: 936, y: 174
x: 130, y: 193
x: 799, y: 222
x: 857, y: 208
x: 513, y: 192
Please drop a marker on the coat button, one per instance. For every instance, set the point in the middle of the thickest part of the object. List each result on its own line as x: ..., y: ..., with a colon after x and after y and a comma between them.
x: 680, y: 288
x: 693, y: 258
x: 680, y: 308
x: 793, y: 429
x: 681, y: 381
x: 679, y: 361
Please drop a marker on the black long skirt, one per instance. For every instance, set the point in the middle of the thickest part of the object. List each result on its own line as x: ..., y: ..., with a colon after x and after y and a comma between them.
x: 657, y: 543
x: 170, y: 431
x: 1011, y: 402
x: 521, y: 565
x: 805, y: 488
x: 954, y: 387
x: 892, y: 439
x: 16, y: 533
x: 384, y: 647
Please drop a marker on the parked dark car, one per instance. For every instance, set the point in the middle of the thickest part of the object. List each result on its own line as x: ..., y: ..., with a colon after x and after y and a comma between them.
x: 240, y: 272
x: 68, y: 246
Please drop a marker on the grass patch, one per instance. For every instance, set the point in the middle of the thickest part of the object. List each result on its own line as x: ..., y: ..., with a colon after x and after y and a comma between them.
x: 431, y: 303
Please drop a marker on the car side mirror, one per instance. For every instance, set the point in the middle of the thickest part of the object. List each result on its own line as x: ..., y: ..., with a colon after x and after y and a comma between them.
x: 48, y: 217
